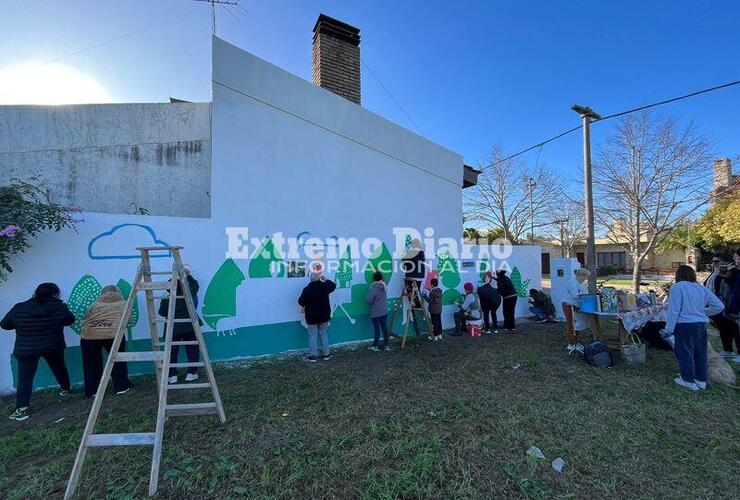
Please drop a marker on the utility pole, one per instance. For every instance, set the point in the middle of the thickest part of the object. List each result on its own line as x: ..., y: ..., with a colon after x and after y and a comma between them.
x: 587, y: 114
x: 532, y: 184
x: 561, y: 222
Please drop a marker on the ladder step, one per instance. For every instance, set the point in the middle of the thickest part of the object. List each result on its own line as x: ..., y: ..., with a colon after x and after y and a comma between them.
x: 184, y: 342
x: 186, y: 386
x: 175, y: 320
x: 140, y: 356
x: 186, y: 365
x: 154, y: 285
x: 132, y: 439
x: 191, y: 409
x: 158, y: 273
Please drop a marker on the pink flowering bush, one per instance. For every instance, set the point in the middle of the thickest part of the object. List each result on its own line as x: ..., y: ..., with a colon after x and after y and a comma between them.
x: 25, y: 211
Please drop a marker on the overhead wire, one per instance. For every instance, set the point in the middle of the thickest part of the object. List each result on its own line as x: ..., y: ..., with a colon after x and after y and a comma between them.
x: 614, y: 115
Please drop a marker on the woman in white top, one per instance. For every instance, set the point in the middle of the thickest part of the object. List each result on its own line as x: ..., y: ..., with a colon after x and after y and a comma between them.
x: 689, y: 307
x: 576, y: 321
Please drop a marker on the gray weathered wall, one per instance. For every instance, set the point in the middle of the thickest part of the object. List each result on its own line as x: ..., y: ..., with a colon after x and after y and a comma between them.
x: 106, y: 157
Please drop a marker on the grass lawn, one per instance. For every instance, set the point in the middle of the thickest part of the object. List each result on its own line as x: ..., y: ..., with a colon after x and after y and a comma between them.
x: 443, y: 420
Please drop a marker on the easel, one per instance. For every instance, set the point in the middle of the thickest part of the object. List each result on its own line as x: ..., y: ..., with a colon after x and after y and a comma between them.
x: 415, y: 306
x: 161, y: 358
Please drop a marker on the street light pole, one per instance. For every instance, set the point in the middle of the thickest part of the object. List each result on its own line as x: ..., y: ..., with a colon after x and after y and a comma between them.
x: 587, y: 114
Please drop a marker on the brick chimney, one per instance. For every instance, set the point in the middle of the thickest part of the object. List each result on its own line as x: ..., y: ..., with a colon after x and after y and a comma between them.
x: 722, y: 173
x: 336, y: 57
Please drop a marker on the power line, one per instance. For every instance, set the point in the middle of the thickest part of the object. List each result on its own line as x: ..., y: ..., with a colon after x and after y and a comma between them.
x: 372, y: 73
x: 614, y: 115
x: 115, y: 39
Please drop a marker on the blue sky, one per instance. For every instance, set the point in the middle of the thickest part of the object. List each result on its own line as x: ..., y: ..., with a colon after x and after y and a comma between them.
x: 471, y: 73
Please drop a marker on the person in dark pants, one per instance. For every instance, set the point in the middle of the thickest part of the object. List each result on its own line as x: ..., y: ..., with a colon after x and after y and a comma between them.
x: 689, y: 307
x: 490, y: 300
x: 183, y: 331
x: 507, y: 290
x: 98, y: 331
x: 413, y: 266
x: 377, y: 299
x: 434, y: 298
x: 39, y: 333
x: 314, y: 300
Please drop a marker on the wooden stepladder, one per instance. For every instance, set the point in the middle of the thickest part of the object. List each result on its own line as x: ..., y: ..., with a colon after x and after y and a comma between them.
x: 160, y: 355
x: 416, y: 306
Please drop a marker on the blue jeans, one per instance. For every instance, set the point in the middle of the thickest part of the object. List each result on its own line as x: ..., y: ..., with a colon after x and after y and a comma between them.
x: 380, y: 323
x: 537, y: 311
x: 315, y: 331
x: 691, y: 351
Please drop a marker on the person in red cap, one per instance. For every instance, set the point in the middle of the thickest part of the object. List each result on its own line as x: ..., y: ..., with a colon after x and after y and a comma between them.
x: 470, y: 311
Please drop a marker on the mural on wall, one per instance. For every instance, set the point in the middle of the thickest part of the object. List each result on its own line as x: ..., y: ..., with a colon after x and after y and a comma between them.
x: 85, y: 292
x: 125, y: 288
x: 343, y: 276
x: 266, y: 261
x: 121, y: 242
x: 522, y: 288
x: 432, y: 274
x: 484, y: 268
x: 219, y: 303
x: 449, y: 276
x: 357, y: 306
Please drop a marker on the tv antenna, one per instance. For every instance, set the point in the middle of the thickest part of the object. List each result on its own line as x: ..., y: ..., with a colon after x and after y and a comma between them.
x: 213, y: 10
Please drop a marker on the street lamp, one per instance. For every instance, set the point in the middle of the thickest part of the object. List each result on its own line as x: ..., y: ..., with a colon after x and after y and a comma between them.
x: 587, y: 114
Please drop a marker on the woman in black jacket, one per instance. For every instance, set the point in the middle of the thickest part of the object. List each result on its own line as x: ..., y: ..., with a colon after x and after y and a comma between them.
x: 183, y: 331
x: 508, y: 292
x: 39, y: 333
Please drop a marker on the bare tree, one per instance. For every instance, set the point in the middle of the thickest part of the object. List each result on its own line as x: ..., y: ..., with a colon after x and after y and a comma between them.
x: 502, y: 197
x: 649, y: 177
x: 567, y: 225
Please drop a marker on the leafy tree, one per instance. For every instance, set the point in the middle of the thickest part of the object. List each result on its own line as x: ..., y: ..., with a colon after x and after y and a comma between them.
x: 25, y: 211
x: 449, y: 276
x: 381, y: 260
x: 84, y: 293
x: 266, y: 260
x: 720, y: 227
x: 522, y: 287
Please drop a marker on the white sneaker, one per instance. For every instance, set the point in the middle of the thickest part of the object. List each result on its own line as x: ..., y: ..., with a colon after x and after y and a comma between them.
x: 172, y: 379
x: 701, y: 385
x: 431, y: 338
x: 579, y: 347
x: 374, y: 348
x: 571, y: 348
x: 727, y: 354
x: 439, y: 338
x: 190, y: 377
x: 688, y: 385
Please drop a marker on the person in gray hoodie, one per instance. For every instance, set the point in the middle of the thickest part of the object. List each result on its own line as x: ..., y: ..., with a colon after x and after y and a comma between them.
x: 377, y: 298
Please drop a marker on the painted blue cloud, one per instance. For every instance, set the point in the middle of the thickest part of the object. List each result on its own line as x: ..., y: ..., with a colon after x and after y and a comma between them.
x: 121, y: 242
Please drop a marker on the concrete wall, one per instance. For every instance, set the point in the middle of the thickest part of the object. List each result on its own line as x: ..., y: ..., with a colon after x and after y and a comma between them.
x: 111, y: 158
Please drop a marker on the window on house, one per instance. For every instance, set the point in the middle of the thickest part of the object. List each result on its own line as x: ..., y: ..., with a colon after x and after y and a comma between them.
x: 617, y: 259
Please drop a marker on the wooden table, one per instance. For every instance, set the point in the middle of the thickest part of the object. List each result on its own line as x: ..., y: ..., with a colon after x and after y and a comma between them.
x: 635, y: 319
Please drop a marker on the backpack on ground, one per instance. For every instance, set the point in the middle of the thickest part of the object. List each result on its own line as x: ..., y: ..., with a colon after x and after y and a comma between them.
x: 597, y: 353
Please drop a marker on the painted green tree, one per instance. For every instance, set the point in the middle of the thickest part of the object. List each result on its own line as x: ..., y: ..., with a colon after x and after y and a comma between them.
x: 343, y: 277
x: 85, y: 292
x: 484, y: 268
x: 220, y: 298
x: 125, y: 289
x: 522, y: 288
x: 266, y: 261
x: 407, y: 243
x: 380, y: 260
x: 449, y: 276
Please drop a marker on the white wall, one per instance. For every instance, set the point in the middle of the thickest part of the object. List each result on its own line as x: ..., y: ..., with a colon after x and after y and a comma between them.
x: 287, y: 157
